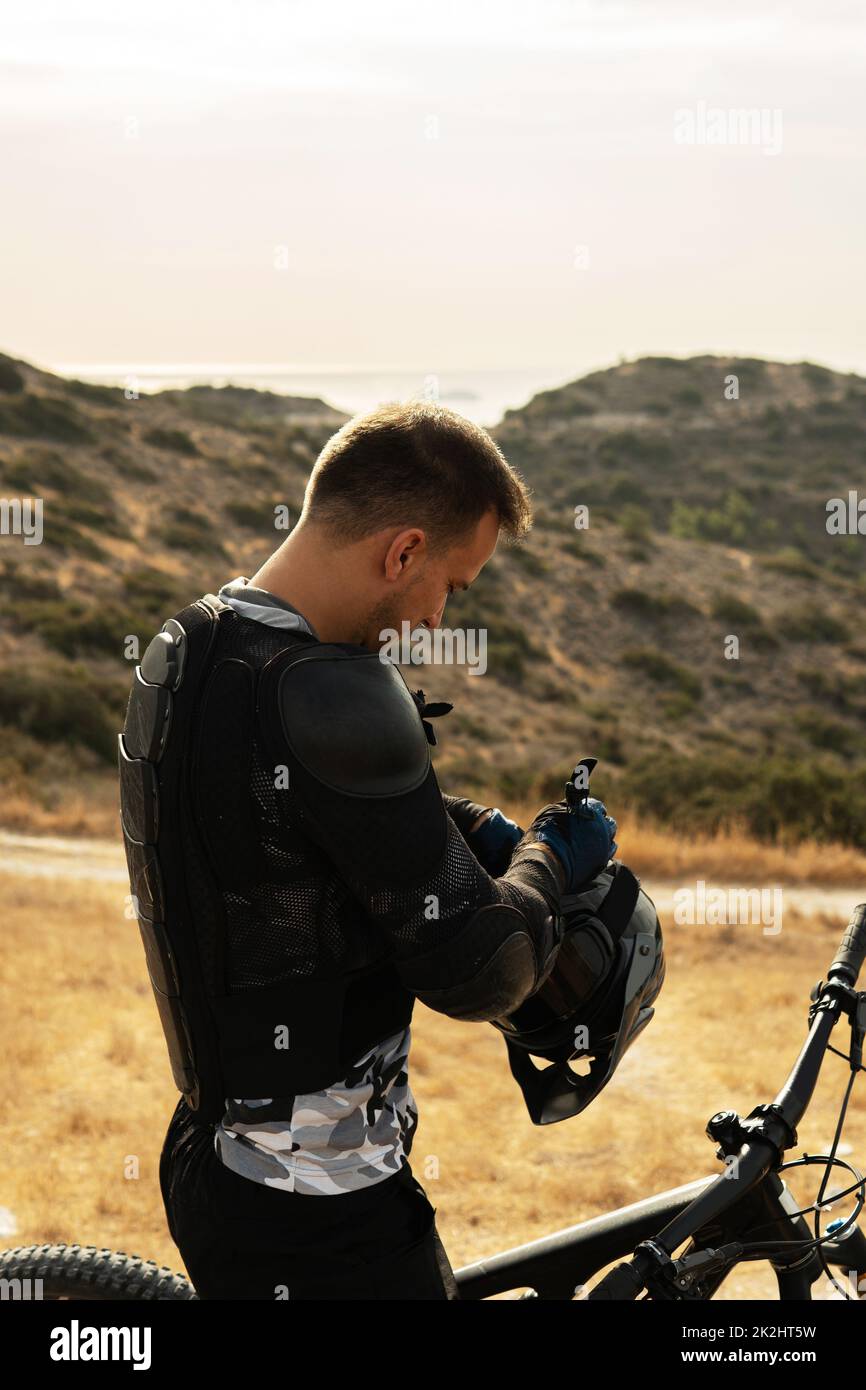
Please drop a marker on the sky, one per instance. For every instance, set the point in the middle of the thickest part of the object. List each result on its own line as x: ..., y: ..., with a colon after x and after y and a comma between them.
x: 361, y: 183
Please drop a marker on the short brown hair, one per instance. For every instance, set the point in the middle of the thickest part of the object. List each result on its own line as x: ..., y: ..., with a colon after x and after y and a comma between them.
x: 415, y: 462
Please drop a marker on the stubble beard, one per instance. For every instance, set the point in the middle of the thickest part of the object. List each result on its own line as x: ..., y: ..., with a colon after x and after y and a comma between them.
x: 389, y: 613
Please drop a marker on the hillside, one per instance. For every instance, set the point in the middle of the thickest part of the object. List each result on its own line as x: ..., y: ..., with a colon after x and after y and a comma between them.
x: 706, y: 519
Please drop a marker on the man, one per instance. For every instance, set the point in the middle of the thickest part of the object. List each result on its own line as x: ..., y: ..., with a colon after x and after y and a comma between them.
x: 314, y: 881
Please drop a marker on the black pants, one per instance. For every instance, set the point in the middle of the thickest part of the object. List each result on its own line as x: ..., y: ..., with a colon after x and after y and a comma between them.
x: 242, y: 1240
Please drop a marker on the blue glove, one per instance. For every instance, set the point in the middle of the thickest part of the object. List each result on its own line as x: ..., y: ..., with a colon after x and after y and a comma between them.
x: 493, y: 842
x: 582, y: 838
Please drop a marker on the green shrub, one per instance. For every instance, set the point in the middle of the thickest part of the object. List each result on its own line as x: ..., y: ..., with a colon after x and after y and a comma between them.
x: 830, y: 734
x: 820, y: 378
x: 25, y: 585
x: 785, y: 796
x: 177, y: 441
x: 254, y: 516
x: 518, y: 781
x: 626, y: 445
x: 152, y: 591
x: 608, y: 746
x: 99, y: 395
x: 47, y: 417
x: 735, y: 611
x: 127, y: 465
x: 745, y: 365
x: 473, y: 729
x: 510, y: 652
x: 636, y: 524
x: 829, y: 686
x: 250, y: 471
x: 733, y: 522
x: 528, y: 561
x: 59, y: 704
x: 689, y: 395
x: 77, y: 629
x: 580, y: 549
x: 622, y: 487
x: 47, y: 470
x: 789, y: 560
x: 98, y: 518
x: 192, y: 532
x: 811, y: 623
x: 65, y: 536
x: 733, y: 682
x: 662, y: 669
x: 834, y: 431
x: 680, y: 706
x: 643, y: 603
x: 11, y: 380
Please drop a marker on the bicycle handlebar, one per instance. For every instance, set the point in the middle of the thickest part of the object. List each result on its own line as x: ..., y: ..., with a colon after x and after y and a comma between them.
x: 755, y: 1159
x: 849, y: 958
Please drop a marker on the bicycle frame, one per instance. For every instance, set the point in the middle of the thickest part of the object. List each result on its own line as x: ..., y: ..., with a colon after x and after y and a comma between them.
x: 556, y: 1265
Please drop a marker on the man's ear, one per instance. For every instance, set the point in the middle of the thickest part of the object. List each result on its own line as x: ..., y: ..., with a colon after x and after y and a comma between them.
x: 407, y: 548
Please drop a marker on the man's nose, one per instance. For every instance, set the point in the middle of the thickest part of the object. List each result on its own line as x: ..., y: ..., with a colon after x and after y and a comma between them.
x: 435, y: 620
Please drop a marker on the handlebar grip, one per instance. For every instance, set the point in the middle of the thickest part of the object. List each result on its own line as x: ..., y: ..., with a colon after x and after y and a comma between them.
x: 852, y: 948
x: 622, y: 1284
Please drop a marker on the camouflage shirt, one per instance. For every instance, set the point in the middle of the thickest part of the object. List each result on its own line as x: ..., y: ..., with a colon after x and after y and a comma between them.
x: 358, y: 1131
x: 348, y: 1136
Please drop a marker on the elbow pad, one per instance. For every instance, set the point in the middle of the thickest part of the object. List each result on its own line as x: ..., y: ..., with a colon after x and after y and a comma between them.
x: 494, y: 964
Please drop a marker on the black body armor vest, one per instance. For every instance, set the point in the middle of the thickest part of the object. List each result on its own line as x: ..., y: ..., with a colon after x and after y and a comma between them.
x: 269, y: 978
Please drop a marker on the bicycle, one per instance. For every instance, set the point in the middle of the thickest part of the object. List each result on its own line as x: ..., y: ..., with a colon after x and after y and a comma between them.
x: 717, y: 1217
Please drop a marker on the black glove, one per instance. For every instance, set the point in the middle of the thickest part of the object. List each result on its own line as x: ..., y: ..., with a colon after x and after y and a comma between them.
x: 582, y: 836
x: 494, y: 839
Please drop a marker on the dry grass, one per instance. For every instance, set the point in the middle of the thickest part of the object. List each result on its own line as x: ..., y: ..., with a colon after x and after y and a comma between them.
x: 89, y: 810
x: 88, y: 1092
x: 652, y: 850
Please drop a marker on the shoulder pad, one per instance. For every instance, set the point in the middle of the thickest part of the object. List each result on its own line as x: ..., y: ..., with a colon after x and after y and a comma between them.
x: 165, y: 656
x: 351, y: 721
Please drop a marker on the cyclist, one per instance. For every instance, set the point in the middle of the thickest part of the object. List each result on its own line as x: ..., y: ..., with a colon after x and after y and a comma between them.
x: 312, y: 880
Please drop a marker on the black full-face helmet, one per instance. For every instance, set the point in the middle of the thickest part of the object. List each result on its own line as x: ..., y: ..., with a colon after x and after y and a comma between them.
x: 596, y: 1000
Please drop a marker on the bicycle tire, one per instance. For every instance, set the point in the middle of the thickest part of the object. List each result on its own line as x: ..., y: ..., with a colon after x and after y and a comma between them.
x: 86, y: 1272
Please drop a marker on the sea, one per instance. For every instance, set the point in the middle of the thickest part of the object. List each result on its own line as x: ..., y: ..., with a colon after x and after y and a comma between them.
x: 482, y: 396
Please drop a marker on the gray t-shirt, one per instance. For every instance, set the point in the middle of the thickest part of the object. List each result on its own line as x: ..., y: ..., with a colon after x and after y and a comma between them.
x: 355, y: 1133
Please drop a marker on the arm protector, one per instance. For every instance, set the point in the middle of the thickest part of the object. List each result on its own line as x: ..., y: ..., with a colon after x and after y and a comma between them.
x: 344, y: 724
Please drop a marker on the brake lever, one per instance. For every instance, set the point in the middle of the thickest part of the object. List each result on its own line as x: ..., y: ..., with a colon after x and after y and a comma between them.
x: 577, y: 787
x: 691, y: 1268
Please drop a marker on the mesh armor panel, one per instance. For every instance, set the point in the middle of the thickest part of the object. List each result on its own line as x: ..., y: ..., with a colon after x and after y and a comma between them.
x: 459, y: 886
x: 286, y: 913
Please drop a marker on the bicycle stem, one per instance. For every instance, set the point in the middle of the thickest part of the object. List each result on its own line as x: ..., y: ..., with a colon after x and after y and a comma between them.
x: 766, y: 1133
x: 758, y: 1143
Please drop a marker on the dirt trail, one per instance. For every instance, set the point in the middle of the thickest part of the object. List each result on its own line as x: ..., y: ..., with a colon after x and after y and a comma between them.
x: 103, y: 861
x: 44, y: 856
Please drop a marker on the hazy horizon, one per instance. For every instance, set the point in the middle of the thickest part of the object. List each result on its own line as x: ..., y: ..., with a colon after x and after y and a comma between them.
x: 482, y: 395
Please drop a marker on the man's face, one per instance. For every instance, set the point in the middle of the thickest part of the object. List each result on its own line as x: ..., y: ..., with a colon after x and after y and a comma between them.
x: 421, y: 596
